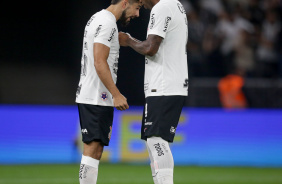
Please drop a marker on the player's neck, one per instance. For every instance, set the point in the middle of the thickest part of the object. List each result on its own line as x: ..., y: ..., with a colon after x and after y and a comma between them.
x: 153, y: 3
x: 115, y: 10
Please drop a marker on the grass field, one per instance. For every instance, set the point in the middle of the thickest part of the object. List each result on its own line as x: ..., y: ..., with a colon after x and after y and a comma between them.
x: 137, y: 174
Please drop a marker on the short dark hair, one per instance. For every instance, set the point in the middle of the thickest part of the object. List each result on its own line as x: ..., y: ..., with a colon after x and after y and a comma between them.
x: 114, y: 2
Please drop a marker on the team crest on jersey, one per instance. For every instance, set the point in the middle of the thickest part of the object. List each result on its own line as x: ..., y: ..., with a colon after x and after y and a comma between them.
x: 152, y: 21
x: 110, y: 133
x: 104, y: 96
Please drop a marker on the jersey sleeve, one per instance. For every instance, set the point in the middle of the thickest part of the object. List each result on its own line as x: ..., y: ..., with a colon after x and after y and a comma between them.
x: 160, y: 20
x: 104, y: 34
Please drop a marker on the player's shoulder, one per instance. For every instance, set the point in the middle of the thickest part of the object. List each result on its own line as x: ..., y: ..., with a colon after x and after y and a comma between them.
x: 164, y: 6
x: 161, y: 6
x: 105, y: 18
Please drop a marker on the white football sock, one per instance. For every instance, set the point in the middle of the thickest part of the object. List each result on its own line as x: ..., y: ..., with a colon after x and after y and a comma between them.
x: 88, y: 172
x: 163, y: 160
x: 152, y: 164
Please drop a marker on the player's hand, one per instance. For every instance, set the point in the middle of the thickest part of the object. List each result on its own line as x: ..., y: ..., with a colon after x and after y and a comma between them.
x: 123, y: 38
x: 120, y: 102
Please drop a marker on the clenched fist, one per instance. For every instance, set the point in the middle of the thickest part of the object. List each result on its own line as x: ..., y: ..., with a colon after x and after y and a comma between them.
x: 123, y: 39
x: 120, y: 102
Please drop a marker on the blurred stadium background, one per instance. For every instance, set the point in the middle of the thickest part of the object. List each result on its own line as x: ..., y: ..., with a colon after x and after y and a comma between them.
x: 230, y: 130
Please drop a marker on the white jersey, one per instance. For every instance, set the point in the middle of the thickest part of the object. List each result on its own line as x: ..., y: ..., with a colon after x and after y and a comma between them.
x: 101, y: 28
x: 166, y: 73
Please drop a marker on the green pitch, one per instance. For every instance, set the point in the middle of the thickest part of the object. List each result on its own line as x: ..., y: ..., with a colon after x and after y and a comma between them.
x: 137, y: 174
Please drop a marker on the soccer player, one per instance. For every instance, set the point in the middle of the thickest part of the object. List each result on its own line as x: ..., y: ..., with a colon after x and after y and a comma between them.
x: 97, y: 93
x: 165, y: 83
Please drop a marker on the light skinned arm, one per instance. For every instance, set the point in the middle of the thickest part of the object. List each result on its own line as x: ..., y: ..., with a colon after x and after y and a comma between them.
x: 101, y: 54
x: 148, y: 47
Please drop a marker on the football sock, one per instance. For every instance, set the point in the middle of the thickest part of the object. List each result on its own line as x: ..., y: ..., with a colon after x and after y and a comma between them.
x: 152, y: 164
x: 162, y: 159
x: 88, y: 172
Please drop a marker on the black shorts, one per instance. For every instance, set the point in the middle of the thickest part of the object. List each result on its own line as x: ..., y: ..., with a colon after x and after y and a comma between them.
x: 161, y: 116
x: 96, y: 123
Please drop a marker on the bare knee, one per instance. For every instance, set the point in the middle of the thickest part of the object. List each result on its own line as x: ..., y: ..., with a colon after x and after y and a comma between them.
x: 93, y: 149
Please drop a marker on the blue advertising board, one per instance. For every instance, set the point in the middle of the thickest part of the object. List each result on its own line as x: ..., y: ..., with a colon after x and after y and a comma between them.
x: 208, y: 137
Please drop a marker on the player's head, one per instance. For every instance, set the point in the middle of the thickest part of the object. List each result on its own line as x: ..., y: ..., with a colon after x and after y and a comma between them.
x: 130, y: 10
x: 149, y: 4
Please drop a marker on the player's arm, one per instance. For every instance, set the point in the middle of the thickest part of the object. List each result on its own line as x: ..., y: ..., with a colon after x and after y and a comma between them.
x: 148, y: 47
x: 101, y: 54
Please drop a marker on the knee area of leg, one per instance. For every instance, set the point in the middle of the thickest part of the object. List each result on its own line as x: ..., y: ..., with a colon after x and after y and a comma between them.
x: 158, y: 146
x: 161, y: 152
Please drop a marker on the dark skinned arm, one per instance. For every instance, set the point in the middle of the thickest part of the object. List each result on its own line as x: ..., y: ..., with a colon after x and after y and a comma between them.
x: 148, y: 47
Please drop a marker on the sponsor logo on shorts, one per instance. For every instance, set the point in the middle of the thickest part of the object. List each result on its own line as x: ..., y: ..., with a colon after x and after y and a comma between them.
x: 110, y: 133
x: 172, y: 130
x: 159, y: 149
x: 84, y: 131
x: 148, y: 123
x: 104, y: 96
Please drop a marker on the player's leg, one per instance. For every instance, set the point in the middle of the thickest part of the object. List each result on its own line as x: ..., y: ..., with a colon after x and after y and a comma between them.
x: 161, y: 165
x: 152, y: 164
x: 162, y: 159
x: 160, y: 120
x: 96, y: 127
x: 92, y: 154
x: 143, y: 136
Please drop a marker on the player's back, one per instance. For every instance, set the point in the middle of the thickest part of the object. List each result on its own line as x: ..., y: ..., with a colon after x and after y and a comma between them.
x: 167, y: 72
